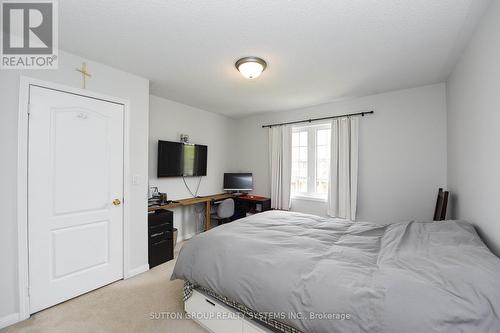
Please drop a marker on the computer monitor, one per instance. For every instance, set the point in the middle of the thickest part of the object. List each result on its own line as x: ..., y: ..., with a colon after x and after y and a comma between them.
x: 238, y: 182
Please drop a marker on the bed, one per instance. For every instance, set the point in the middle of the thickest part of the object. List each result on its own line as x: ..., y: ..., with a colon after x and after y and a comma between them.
x: 329, y: 275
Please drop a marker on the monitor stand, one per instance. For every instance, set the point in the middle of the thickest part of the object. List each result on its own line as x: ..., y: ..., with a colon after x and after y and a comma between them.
x: 238, y: 194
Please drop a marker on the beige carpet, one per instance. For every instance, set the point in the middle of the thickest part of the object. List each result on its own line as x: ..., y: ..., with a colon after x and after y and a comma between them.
x: 124, y: 306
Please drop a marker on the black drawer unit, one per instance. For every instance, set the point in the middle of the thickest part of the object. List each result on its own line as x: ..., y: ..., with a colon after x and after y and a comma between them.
x: 160, y: 237
x: 244, y: 205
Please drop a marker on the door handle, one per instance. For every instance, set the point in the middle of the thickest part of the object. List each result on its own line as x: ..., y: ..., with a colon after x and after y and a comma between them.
x: 117, y: 202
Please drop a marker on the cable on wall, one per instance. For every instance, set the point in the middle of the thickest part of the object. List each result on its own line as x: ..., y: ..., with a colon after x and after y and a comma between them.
x: 200, y: 213
x: 195, y: 194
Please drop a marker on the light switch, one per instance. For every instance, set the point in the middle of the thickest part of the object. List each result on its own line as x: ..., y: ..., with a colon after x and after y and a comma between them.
x: 136, y: 179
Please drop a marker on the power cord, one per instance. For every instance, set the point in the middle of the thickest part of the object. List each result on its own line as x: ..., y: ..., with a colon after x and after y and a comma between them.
x: 194, y: 195
x: 200, y: 214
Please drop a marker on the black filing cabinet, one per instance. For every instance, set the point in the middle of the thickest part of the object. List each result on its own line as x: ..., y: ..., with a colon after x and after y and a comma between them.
x: 160, y: 237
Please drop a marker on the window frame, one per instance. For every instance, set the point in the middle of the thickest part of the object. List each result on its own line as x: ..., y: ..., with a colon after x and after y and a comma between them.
x: 311, y: 193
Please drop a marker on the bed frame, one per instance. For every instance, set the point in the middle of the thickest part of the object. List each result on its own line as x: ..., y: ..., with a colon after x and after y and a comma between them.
x: 216, y: 317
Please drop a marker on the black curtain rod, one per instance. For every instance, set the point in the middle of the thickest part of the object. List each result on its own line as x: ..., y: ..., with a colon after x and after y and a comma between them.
x: 362, y: 114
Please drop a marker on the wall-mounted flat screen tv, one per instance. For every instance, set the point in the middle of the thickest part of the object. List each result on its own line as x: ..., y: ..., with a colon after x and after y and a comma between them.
x: 177, y: 159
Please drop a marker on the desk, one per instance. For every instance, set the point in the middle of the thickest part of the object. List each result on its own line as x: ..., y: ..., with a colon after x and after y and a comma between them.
x: 207, y: 200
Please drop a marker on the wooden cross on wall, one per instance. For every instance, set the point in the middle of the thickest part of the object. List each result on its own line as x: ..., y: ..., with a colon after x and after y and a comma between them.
x: 85, y: 74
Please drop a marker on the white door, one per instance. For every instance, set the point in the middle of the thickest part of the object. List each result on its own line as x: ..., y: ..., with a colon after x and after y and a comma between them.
x: 75, y: 189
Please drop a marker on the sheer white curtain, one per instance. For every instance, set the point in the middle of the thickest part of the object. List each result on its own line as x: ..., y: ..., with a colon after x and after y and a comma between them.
x: 343, y: 185
x: 280, y: 157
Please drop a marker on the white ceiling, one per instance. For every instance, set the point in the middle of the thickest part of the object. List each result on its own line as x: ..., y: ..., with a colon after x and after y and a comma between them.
x: 317, y: 50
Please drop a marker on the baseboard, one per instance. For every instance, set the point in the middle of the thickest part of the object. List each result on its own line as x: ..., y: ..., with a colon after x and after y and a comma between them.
x: 136, y: 271
x: 9, y: 320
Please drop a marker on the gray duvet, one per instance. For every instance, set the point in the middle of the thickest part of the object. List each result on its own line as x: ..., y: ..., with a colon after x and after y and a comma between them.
x: 326, y: 275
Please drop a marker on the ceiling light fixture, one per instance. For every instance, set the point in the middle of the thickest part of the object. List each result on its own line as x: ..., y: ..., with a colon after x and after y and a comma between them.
x: 251, y: 67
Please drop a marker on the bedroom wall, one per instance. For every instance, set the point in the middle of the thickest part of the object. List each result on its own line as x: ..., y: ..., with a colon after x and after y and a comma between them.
x: 402, y: 158
x: 167, y: 121
x: 105, y: 80
x: 473, y: 92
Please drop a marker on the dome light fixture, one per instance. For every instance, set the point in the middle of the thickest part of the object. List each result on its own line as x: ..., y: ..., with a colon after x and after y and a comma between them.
x: 251, y: 67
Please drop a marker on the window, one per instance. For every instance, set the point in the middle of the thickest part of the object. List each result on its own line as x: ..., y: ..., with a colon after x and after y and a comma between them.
x: 311, y: 161
x: 299, y: 162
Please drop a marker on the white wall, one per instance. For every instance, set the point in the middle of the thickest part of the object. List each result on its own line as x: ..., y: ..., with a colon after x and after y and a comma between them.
x: 105, y: 80
x: 402, y: 159
x: 473, y: 94
x: 167, y: 121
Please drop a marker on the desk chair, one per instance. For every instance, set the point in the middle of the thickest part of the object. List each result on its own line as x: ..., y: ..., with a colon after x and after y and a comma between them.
x: 225, y: 210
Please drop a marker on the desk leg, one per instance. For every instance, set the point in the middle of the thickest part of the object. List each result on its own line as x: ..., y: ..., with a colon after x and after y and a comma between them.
x: 208, y: 223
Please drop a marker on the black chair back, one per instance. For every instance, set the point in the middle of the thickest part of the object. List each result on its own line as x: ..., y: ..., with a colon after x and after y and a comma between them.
x: 441, y: 204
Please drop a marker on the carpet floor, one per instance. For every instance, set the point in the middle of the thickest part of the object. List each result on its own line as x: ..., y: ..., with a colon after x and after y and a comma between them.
x: 137, y: 304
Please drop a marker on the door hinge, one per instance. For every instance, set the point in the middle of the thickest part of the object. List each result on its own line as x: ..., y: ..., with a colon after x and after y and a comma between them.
x: 29, y: 109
